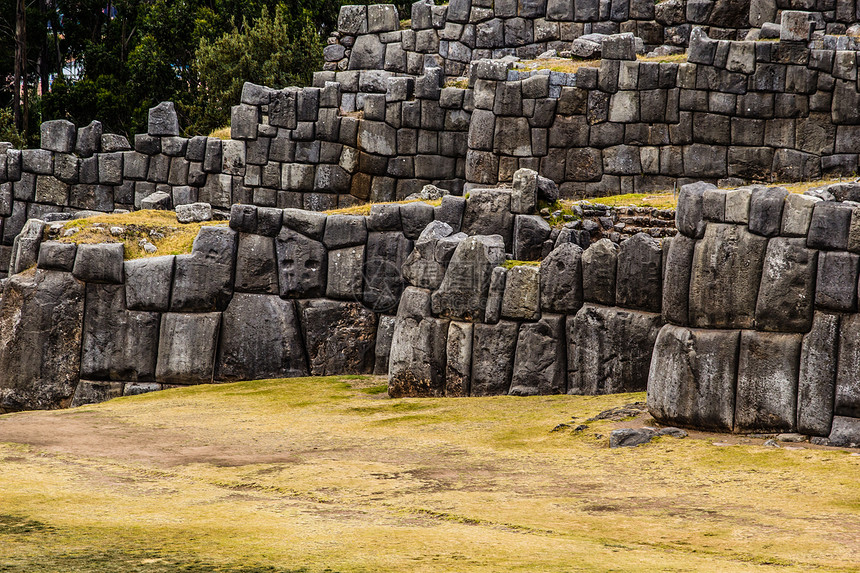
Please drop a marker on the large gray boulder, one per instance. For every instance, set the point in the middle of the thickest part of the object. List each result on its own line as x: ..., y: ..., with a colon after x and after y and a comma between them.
x: 765, y: 217
x: 689, y: 216
x: 521, y: 298
x: 540, y: 365
x: 186, y: 348
x: 676, y: 283
x: 766, y: 399
x: 493, y: 348
x: 787, y: 292
x: 426, y: 264
x: 847, y: 400
x: 845, y: 432
x: 611, y: 349
x: 816, y: 383
x: 41, y: 323
x: 118, y: 344
x: 836, y: 284
x: 345, y: 273
x: 416, y: 366
x: 58, y: 135
x: 458, y: 354
x: 599, y: 267
x: 530, y: 233
x: 383, y: 282
x: 163, y: 120
x: 256, y: 268
x: 203, y: 280
x: 340, y: 337
x: 260, y: 338
x: 639, y: 275
x: 724, y: 283
x: 561, y: 280
x: 147, y: 283
x: 692, y: 378
x: 100, y: 263
x: 302, y: 265
x: 463, y: 292
x: 488, y: 212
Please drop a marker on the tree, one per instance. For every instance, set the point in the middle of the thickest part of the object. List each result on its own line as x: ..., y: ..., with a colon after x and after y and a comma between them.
x: 276, y: 52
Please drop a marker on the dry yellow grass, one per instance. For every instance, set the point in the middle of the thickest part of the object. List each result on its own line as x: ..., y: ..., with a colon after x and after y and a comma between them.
x: 565, y: 65
x: 158, y: 227
x: 325, y: 474
x: 657, y: 200
x: 670, y: 59
x: 221, y: 133
x: 364, y: 208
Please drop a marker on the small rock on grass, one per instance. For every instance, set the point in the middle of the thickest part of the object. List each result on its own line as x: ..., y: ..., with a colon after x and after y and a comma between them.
x: 771, y: 444
x: 629, y: 437
x: 792, y: 438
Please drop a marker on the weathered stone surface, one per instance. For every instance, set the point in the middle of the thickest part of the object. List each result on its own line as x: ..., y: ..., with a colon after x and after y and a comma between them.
x: 766, y: 210
x: 340, y: 337
x: 384, y: 338
x: 383, y: 282
x: 540, y: 365
x: 88, y: 392
x: 816, y: 383
x: 100, y: 263
x: 58, y: 135
x: 302, y: 265
x: 847, y: 401
x: 147, y: 283
x: 488, y: 212
x: 599, y: 262
x: 260, y: 338
x: 787, y: 292
x: 163, y: 120
x: 344, y: 231
x: 836, y: 285
x: 830, y: 224
x: 458, y: 366
x: 345, y: 273
x: 738, y: 206
x: 117, y: 344
x: 766, y: 398
x: 521, y: 299
x: 203, y: 280
x: 414, y: 217
x: 57, y: 256
x: 41, y: 322
x: 25, y: 247
x: 797, y: 214
x: 530, y: 232
x: 425, y: 266
x: 194, y: 213
x: 611, y: 350
x: 256, y: 268
x: 498, y: 280
x: 845, y: 432
x: 692, y: 377
x: 561, y: 280
x: 463, y: 292
x: 724, y: 283
x: 639, y: 275
x: 630, y: 437
x: 676, y: 283
x: 417, y: 361
x: 186, y: 347
x: 524, y: 193
x: 493, y: 348
x: 689, y: 217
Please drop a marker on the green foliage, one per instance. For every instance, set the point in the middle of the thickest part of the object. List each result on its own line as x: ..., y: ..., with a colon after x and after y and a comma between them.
x: 8, y: 131
x: 276, y: 52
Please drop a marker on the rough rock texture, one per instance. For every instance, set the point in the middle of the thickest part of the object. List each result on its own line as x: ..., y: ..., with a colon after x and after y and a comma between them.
x: 676, y: 284
x: 767, y: 382
x: 493, y: 347
x: 540, y: 365
x: 463, y: 292
x: 598, y: 272
x: 340, y: 337
x: 561, y: 280
x: 186, y: 348
x: 845, y: 432
x: 203, y: 280
x: 725, y: 278
x: 383, y: 259
x: 816, y: 383
x: 147, y: 283
x: 787, y: 293
x: 256, y: 268
x: 302, y: 265
x: 41, y: 323
x: 639, y: 275
x: 384, y: 338
x: 692, y: 377
x: 847, y: 401
x: 260, y: 338
x: 610, y: 349
x: 521, y: 299
x: 488, y: 212
x: 458, y: 367
x: 417, y: 360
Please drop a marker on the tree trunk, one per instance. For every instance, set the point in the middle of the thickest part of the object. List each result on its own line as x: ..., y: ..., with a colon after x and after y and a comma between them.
x: 20, y: 96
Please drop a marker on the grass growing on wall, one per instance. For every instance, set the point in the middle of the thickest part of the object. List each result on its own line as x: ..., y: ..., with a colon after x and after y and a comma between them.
x: 329, y: 475
x: 158, y: 227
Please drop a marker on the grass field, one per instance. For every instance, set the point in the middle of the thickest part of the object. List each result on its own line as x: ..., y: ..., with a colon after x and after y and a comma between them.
x: 329, y: 475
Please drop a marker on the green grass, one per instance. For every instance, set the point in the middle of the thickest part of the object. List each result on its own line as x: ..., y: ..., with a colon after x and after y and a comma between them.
x: 330, y: 475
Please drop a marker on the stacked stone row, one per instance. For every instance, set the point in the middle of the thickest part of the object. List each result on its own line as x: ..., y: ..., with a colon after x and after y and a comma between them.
x: 748, y: 110
x: 278, y: 293
x: 368, y: 37
x: 760, y: 297
x: 581, y: 322
x: 83, y: 169
x: 301, y: 148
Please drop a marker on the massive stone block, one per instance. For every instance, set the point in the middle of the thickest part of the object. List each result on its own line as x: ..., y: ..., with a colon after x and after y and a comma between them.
x: 463, y: 292
x: 383, y: 259
x: 787, y: 292
x: 256, y: 268
x: 611, y: 349
x: 639, y: 275
x: 41, y: 323
x: 340, y: 337
x: 847, y: 400
x: 345, y: 273
x: 260, y: 338
x: 561, y: 280
x: 384, y: 338
x: 101, y: 263
x: 118, y: 344
x: 845, y: 432
x: 692, y: 377
x: 540, y: 364
x: 836, y: 286
x: 493, y: 347
x: 302, y: 265
x: 724, y: 283
x: 426, y: 264
x: 147, y: 283
x: 521, y: 298
x: 203, y: 280
x: 417, y: 361
x: 458, y: 354
x: 676, y: 284
x: 186, y: 348
x: 599, y: 264
x: 816, y: 383
x: 768, y: 366
x: 488, y: 212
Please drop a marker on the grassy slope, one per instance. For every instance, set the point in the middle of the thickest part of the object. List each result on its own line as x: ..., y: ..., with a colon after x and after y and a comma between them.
x: 326, y: 475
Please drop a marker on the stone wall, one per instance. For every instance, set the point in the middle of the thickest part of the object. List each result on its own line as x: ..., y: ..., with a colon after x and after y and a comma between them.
x: 760, y: 300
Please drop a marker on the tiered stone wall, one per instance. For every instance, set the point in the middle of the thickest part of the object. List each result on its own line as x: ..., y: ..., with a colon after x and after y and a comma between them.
x: 760, y: 298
